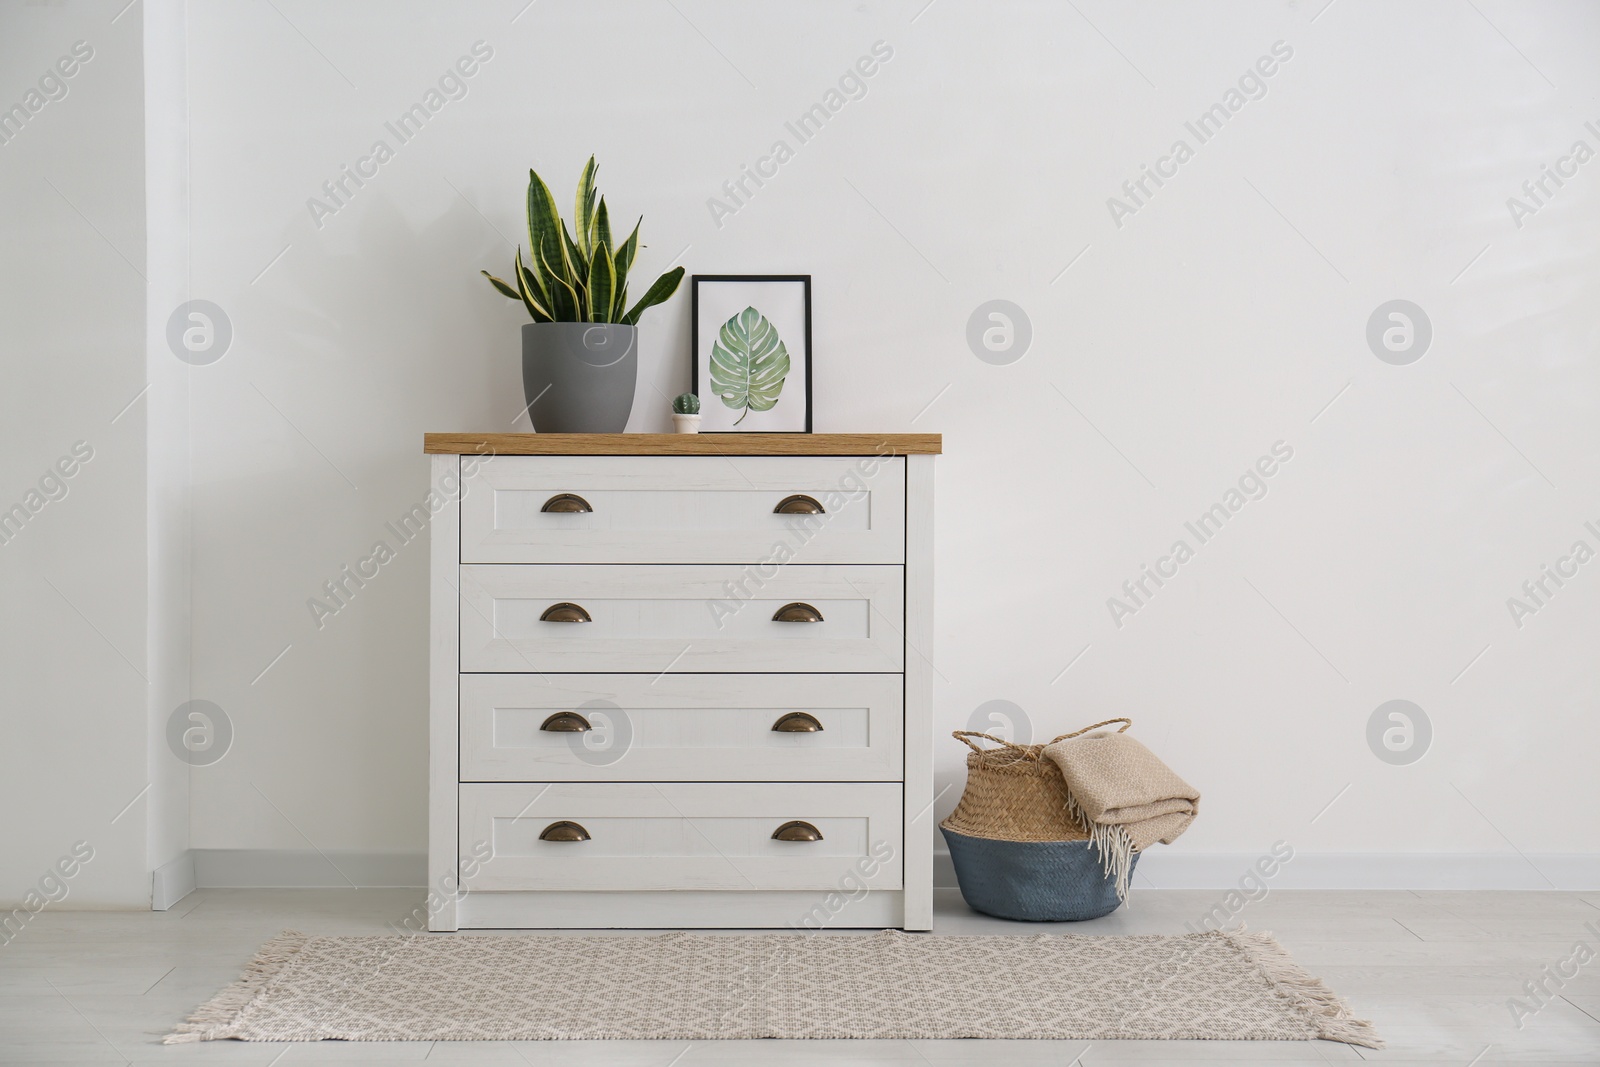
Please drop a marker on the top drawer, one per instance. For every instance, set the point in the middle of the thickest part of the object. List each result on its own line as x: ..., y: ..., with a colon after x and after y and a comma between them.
x: 685, y: 509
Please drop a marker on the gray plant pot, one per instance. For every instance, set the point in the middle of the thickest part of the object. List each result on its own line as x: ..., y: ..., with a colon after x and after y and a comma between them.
x: 578, y: 377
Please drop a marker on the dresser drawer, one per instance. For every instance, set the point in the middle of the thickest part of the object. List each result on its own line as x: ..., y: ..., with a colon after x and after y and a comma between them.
x: 681, y: 727
x: 680, y: 618
x: 679, y: 836
x: 684, y: 509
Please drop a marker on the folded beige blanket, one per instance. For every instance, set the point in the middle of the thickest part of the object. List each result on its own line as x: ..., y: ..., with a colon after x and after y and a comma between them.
x: 1126, y: 797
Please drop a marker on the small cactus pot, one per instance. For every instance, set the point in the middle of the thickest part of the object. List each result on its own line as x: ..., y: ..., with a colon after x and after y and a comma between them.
x: 685, y: 423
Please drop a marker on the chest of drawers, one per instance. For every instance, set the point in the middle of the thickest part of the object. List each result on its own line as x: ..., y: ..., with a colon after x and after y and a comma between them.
x: 681, y: 681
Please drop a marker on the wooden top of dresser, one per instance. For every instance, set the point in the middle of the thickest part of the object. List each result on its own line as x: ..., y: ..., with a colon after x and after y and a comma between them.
x: 683, y: 444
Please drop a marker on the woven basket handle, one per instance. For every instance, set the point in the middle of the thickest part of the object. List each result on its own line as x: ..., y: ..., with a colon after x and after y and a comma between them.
x: 1125, y: 724
x: 964, y: 735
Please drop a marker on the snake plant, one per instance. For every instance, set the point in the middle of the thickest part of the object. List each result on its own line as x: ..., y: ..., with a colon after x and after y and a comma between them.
x: 582, y: 276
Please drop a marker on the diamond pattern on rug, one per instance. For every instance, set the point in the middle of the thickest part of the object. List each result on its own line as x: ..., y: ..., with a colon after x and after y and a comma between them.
x: 890, y: 985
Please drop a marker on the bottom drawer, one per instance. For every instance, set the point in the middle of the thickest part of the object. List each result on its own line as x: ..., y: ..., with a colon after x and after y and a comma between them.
x: 676, y: 835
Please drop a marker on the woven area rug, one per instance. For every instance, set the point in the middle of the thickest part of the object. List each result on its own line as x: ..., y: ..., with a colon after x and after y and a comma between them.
x: 890, y: 985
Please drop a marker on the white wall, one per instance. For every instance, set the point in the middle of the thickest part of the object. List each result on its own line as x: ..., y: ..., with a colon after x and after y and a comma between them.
x: 73, y: 585
x: 1220, y: 318
x: 168, y: 472
x: 1226, y: 314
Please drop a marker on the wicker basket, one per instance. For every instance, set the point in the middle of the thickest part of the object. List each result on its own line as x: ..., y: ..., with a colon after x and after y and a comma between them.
x: 1017, y: 852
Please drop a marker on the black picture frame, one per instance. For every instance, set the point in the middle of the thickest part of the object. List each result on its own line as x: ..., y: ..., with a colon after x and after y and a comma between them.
x: 697, y: 335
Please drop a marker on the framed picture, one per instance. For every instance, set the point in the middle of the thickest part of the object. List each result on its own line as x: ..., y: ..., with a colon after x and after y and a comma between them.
x: 752, y: 352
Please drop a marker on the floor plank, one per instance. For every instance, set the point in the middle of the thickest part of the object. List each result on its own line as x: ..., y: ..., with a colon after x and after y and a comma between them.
x: 1434, y: 971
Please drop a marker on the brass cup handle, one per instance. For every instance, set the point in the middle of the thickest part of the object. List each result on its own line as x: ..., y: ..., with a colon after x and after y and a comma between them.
x: 565, y: 612
x: 564, y: 830
x: 566, y: 722
x: 567, y: 503
x: 797, y: 830
x: 797, y: 612
x: 799, y: 504
x: 797, y: 722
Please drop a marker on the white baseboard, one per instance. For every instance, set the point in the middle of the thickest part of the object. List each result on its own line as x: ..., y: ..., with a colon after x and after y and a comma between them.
x: 255, y: 868
x: 1163, y: 869
x: 172, y: 881
x: 243, y: 868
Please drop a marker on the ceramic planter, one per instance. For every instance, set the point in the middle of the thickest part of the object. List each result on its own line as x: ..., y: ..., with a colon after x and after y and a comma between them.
x: 579, y: 377
x: 685, y: 423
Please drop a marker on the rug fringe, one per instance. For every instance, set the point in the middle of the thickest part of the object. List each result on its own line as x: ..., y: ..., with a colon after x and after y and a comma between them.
x: 223, y: 1008
x: 1331, y: 1015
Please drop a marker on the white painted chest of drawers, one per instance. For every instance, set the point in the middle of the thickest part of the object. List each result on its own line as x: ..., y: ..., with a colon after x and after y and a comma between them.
x: 681, y: 681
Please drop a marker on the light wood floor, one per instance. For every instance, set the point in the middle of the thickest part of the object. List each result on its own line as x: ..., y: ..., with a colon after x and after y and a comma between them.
x: 1433, y: 970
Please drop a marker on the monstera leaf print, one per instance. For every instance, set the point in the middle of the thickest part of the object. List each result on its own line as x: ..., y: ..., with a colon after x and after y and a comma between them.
x: 748, y: 363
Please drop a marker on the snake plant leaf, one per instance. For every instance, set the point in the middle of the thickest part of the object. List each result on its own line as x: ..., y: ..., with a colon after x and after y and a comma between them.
x: 584, y: 209
x: 624, y: 263
x: 626, y: 251
x: 505, y: 290
x: 602, y: 284
x: 533, y: 280
x: 535, y: 311
x: 532, y: 284
x: 563, y: 296
x: 749, y: 363
x: 576, y: 262
x: 576, y: 267
x: 602, y: 232
x: 573, y: 268
x: 664, y: 287
x: 533, y: 296
x: 545, y: 229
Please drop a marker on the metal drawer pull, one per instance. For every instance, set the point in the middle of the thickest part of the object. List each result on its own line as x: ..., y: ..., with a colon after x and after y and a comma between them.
x: 799, y: 504
x: 566, y: 722
x: 797, y: 831
x: 797, y: 612
x: 565, y: 612
x: 564, y: 831
x: 567, y: 503
x: 797, y: 722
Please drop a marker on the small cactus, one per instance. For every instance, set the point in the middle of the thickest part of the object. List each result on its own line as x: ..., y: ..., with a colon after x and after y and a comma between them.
x: 686, y: 404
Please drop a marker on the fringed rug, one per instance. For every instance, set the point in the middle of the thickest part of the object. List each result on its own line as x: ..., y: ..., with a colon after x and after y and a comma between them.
x: 693, y: 987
